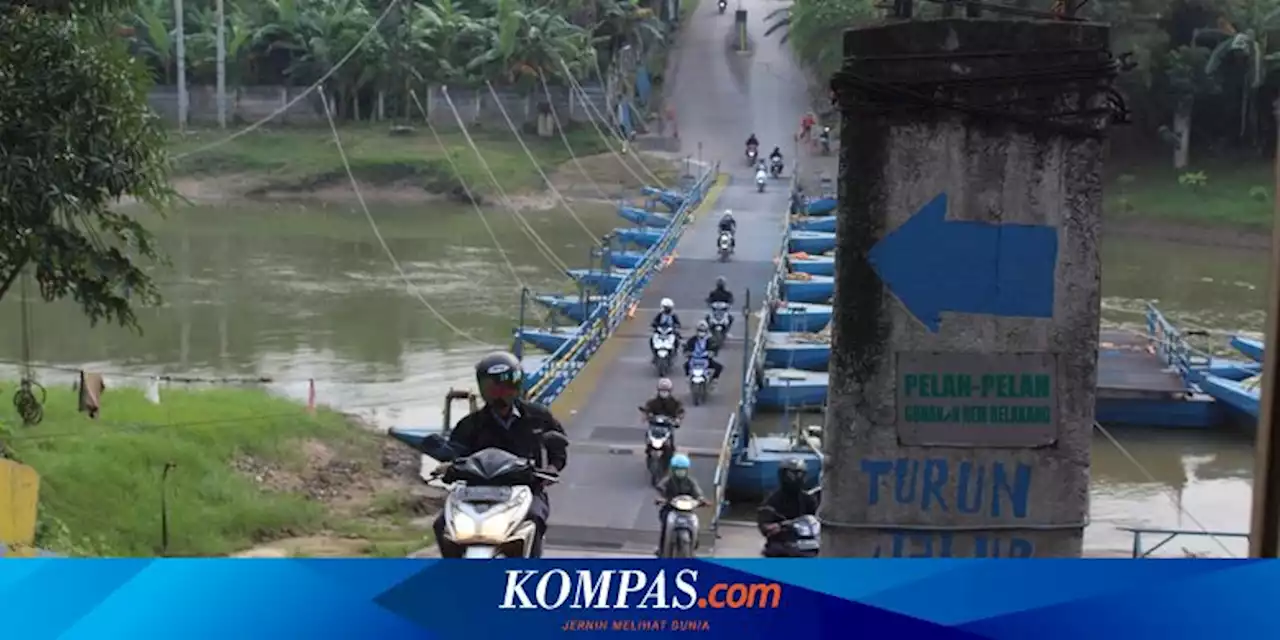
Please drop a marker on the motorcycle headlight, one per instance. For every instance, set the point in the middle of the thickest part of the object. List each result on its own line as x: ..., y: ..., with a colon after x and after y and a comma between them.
x: 494, y: 527
x: 464, y: 526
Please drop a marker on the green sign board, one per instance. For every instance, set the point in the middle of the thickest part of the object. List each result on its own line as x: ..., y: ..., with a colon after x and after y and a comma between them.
x: 977, y: 399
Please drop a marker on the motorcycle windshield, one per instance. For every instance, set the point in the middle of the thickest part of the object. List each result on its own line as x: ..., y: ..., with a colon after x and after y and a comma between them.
x: 698, y: 363
x: 659, y: 432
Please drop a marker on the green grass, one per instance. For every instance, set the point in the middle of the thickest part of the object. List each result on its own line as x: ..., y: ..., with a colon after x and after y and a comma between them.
x: 300, y: 158
x: 100, y: 479
x: 1238, y: 194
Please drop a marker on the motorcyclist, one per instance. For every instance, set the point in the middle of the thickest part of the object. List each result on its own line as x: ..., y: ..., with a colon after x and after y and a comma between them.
x: 679, y: 482
x: 664, y: 404
x: 700, y: 346
x: 727, y: 223
x: 776, y: 156
x: 761, y: 174
x: 797, y: 200
x: 789, y: 502
x: 508, y: 422
x: 722, y: 294
x: 666, y: 317
x: 752, y: 142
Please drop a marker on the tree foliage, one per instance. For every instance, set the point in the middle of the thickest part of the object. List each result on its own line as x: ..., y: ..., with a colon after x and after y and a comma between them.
x: 76, y: 136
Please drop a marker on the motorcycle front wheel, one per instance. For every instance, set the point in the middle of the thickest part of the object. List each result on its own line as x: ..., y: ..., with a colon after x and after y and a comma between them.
x: 684, y: 545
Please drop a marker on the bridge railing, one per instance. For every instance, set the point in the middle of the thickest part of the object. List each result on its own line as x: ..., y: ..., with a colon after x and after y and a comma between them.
x: 564, y: 364
x: 1171, y: 345
x: 721, y: 478
x: 1169, y: 535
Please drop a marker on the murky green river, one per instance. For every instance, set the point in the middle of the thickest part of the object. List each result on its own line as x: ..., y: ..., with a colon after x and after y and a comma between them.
x: 295, y: 292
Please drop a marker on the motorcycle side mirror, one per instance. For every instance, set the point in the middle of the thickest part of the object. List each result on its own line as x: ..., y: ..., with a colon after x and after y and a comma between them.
x: 437, y: 448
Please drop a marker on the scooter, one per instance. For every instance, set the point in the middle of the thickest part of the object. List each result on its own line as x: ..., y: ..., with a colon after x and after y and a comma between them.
x: 681, y: 527
x: 718, y: 321
x: 490, y: 494
x: 775, y: 168
x: 660, y: 446
x: 725, y: 245
x: 802, y: 537
x: 751, y: 156
x: 699, y: 380
x: 825, y: 139
x: 663, y: 345
x: 723, y: 5
x: 760, y: 180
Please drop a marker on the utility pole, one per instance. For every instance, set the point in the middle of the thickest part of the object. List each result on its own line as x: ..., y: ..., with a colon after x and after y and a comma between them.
x: 181, y: 54
x: 222, y: 65
x: 1264, y: 534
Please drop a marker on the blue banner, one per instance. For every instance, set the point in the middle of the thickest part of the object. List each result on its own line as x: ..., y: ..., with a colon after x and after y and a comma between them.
x: 787, y: 599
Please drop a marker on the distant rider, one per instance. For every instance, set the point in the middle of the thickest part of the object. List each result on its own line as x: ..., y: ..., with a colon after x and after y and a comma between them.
x: 825, y: 137
x: 507, y: 422
x: 700, y: 346
x: 667, y: 317
x: 789, y: 502
x: 797, y: 200
x: 776, y: 156
x: 752, y: 142
x: 761, y: 174
x: 722, y: 294
x: 664, y: 404
x: 727, y: 223
x: 679, y: 482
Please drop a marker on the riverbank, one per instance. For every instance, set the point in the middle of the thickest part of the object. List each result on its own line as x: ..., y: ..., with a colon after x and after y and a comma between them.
x: 1227, y: 203
x: 404, y: 164
x: 248, y: 468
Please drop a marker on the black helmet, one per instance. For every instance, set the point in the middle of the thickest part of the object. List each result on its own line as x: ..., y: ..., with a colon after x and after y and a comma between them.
x: 500, y: 378
x: 792, y: 474
x: 721, y: 282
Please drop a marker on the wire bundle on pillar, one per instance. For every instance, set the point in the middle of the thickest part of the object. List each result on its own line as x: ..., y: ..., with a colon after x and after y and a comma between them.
x: 29, y: 399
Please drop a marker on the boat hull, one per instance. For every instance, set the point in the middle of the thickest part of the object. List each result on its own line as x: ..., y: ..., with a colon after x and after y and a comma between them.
x: 818, y: 289
x: 818, y: 266
x: 806, y: 390
x: 548, y: 339
x: 606, y: 282
x: 638, y: 236
x: 625, y: 259
x: 801, y: 318
x: 1252, y: 349
x: 810, y: 357
x: 570, y: 306
x: 821, y: 206
x: 811, y: 242
x: 646, y: 218
x: 815, y: 223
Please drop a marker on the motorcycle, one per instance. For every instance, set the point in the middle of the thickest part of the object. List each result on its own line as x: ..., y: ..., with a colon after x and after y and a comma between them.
x: 490, y: 493
x: 718, y: 321
x: 723, y: 5
x: 825, y: 140
x: 751, y: 156
x: 681, y: 527
x: 699, y: 379
x: 760, y: 179
x: 660, y: 446
x: 725, y: 245
x: 663, y: 345
x: 775, y: 167
x: 801, y: 538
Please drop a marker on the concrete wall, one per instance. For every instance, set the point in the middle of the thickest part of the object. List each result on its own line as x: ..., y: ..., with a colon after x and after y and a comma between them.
x: 894, y: 486
x: 250, y: 104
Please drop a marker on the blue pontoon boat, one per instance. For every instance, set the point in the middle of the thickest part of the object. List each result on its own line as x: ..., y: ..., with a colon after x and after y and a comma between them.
x: 814, y: 242
x: 548, y: 339
x: 801, y: 317
x: 571, y: 306
x: 782, y: 389
x: 813, y: 265
x: 815, y: 223
x: 817, y: 289
x: 638, y: 236
x: 605, y: 282
x: 794, y: 351
x: 645, y: 218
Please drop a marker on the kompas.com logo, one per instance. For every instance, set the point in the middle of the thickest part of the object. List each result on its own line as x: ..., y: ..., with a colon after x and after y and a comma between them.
x: 614, y: 589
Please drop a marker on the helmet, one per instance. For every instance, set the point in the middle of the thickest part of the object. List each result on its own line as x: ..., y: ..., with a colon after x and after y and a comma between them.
x: 703, y: 327
x: 728, y: 214
x: 792, y: 474
x: 680, y: 462
x: 668, y: 304
x: 826, y: 129
x: 721, y: 282
x: 499, y: 377
x: 664, y: 384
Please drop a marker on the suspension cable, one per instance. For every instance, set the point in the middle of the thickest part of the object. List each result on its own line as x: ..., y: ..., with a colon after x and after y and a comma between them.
x: 550, y: 185
x: 548, y: 253
x: 575, y: 88
x: 302, y: 96
x: 355, y: 186
x: 565, y: 138
x: 466, y: 189
x: 616, y: 125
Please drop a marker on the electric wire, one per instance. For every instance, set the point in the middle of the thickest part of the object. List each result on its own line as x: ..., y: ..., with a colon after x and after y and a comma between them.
x: 546, y: 90
x: 355, y: 185
x: 550, y: 185
x: 302, y: 96
x: 547, y: 252
x: 574, y: 87
x: 615, y: 123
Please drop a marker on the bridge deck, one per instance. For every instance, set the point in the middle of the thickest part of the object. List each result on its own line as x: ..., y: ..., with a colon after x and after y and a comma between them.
x: 1127, y: 368
x: 604, y: 499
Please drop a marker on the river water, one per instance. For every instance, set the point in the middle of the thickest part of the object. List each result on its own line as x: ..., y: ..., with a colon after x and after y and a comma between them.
x: 305, y: 292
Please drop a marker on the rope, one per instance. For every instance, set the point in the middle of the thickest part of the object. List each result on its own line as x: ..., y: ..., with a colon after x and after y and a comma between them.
x: 26, y: 402
x: 1173, y: 499
x: 550, y: 185
x: 564, y: 138
x: 546, y: 250
x: 355, y: 185
x: 575, y: 87
x: 466, y: 189
x: 613, y: 118
x: 300, y: 97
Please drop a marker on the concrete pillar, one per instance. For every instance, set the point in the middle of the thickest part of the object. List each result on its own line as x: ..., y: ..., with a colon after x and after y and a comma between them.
x: 967, y: 295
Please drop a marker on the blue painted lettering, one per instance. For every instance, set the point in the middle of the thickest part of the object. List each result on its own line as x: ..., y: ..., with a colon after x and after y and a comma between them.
x: 993, y: 489
x: 952, y: 544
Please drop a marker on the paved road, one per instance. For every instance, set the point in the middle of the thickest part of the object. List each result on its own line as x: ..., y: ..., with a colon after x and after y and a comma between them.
x: 603, y: 501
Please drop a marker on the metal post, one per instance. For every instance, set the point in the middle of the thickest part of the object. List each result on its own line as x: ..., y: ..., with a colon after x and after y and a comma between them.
x: 747, y: 348
x: 222, y: 64
x: 181, y: 55
x: 518, y: 349
x: 1264, y: 535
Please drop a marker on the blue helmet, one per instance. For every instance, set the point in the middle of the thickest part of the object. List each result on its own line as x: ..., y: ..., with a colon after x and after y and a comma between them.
x: 680, y: 461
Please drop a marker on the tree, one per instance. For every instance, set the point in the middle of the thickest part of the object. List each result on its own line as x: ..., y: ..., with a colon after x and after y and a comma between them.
x: 76, y: 136
x: 1244, y: 38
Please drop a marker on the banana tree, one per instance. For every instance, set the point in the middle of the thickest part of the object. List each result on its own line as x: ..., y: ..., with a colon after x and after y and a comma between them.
x: 1245, y: 39
x: 628, y: 22
x: 534, y: 41
x: 154, y: 36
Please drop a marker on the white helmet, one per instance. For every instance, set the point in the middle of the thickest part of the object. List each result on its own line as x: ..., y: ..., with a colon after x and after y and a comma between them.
x: 668, y: 304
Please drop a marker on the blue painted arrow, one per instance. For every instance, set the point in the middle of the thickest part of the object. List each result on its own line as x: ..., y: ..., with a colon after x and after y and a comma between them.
x: 933, y: 265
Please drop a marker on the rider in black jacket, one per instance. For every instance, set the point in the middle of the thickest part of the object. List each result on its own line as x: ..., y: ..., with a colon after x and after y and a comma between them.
x: 722, y: 294
x: 789, y: 502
